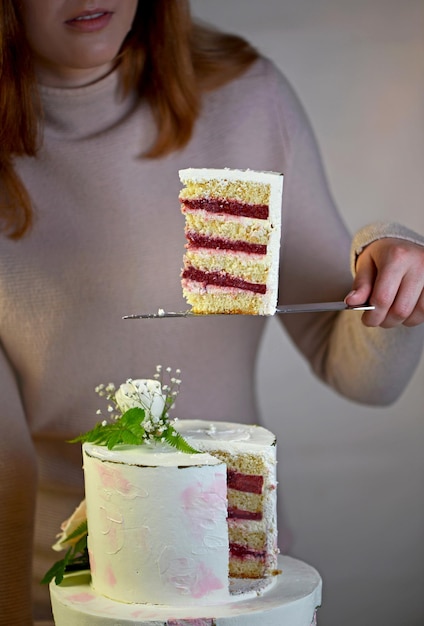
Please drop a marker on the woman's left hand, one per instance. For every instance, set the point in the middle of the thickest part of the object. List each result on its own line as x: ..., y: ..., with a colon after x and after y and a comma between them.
x: 390, y: 275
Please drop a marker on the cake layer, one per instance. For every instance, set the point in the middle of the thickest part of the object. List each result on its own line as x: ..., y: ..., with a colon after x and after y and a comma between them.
x: 291, y: 601
x: 236, y: 212
x: 244, y: 501
x: 157, y: 528
x: 221, y: 279
x: 243, y: 186
x: 231, y: 301
x: 248, y: 230
x: 253, y: 268
x: 256, y: 540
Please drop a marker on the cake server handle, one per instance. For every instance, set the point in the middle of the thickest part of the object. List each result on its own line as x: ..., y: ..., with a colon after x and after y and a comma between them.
x: 314, y: 307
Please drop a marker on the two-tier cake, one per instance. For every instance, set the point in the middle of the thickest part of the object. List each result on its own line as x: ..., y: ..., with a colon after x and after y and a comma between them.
x: 182, y: 528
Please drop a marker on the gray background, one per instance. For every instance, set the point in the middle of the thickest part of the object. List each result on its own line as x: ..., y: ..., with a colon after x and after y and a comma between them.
x: 351, y: 477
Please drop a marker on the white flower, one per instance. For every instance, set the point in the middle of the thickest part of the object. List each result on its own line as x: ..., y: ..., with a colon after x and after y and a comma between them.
x: 69, y: 526
x: 146, y: 394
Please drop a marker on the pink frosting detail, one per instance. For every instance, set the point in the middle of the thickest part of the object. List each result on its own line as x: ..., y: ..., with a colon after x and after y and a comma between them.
x: 205, y: 504
x: 192, y: 579
x: 145, y: 614
x: 205, y: 582
x: 110, y: 576
x: 114, y: 538
x: 136, y: 613
x: 112, y: 479
x: 92, y: 562
x: 80, y: 598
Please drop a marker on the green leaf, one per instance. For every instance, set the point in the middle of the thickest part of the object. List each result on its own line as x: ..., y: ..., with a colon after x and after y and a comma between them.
x: 80, y: 546
x: 174, y: 439
x: 80, y: 530
x: 57, y: 571
x: 75, y: 559
x: 133, y: 416
x: 127, y: 429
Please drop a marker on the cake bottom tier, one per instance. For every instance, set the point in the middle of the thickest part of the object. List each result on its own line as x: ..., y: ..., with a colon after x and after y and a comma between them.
x: 291, y: 600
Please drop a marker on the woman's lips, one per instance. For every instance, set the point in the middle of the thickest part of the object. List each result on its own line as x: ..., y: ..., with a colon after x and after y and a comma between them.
x: 90, y: 21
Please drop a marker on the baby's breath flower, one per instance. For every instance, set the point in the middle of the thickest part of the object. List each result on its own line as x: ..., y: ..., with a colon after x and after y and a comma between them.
x: 153, y: 399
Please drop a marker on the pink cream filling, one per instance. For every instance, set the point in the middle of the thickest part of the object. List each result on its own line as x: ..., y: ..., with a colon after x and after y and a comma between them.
x: 234, y: 513
x: 222, y: 280
x: 219, y: 243
x: 244, y: 482
x: 231, y: 207
x: 244, y: 553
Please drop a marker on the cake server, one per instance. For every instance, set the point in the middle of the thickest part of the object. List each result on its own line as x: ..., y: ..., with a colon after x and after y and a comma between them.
x: 314, y: 307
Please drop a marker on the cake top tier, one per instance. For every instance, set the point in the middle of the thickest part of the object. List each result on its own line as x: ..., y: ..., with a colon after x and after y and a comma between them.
x: 230, y: 435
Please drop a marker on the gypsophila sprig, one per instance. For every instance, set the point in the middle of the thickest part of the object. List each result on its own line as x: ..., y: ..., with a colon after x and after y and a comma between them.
x: 138, y: 413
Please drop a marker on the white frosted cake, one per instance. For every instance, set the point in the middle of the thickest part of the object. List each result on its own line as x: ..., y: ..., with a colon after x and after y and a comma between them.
x: 233, y: 232
x: 182, y: 528
x: 157, y: 525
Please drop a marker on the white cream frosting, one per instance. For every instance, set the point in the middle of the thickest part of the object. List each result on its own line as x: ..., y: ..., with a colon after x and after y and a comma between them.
x: 228, y: 436
x: 157, y: 529
x: 205, y: 173
x: 291, y: 601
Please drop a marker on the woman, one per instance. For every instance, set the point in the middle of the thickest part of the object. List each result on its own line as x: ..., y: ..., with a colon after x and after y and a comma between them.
x: 99, y: 110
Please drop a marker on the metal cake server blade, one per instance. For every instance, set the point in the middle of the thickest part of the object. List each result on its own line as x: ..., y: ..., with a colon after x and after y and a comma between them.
x: 314, y: 307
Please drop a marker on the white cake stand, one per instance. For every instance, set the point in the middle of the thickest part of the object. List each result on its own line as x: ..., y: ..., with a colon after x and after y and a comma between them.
x: 291, y: 600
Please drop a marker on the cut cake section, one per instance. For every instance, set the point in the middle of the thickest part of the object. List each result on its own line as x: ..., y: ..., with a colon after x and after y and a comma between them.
x: 249, y: 453
x: 233, y: 231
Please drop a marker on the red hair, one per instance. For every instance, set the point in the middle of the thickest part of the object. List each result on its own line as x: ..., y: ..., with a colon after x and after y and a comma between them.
x: 166, y: 57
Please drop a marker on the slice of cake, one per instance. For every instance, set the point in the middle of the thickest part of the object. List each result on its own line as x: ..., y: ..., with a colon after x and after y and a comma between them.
x: 233, y: 231
x: 249, y: 453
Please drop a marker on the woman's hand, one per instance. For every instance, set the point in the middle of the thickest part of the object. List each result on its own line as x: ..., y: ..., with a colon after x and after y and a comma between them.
x: 390, y: 275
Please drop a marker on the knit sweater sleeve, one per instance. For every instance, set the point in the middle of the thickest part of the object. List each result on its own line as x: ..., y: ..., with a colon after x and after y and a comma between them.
x: 368, y: 365
x: 380, y: 230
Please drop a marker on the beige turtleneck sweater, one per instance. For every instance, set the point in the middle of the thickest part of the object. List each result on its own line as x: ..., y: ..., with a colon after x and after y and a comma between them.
x: 108, y: 241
